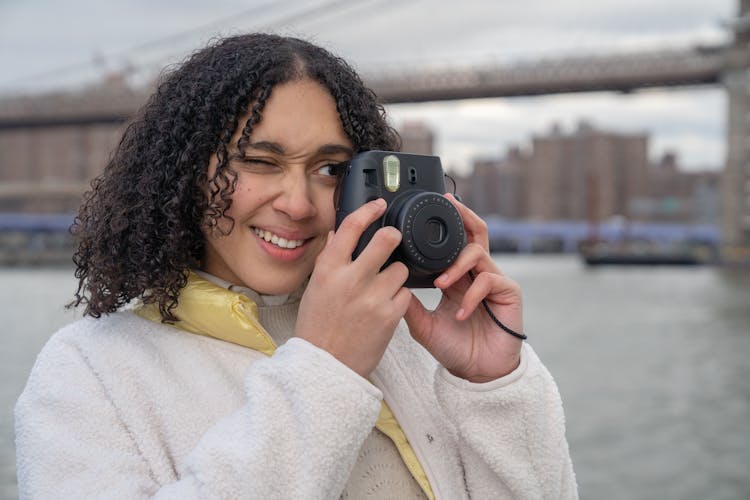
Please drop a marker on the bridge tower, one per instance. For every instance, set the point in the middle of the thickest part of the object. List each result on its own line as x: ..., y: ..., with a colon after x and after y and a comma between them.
x: 735, y: 213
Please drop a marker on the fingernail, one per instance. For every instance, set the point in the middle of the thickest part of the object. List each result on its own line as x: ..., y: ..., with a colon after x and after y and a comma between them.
x: 460, y: 313
x: 380, y: 202
x: 442, y: 278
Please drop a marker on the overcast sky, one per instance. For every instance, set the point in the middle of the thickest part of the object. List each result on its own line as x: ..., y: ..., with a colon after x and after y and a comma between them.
x: 53, y: 44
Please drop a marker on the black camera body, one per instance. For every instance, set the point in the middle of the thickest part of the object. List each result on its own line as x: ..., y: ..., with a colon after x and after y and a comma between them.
x: 412, y: 185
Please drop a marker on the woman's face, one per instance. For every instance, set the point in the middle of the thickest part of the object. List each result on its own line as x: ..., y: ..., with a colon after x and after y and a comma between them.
x: 282, y: 205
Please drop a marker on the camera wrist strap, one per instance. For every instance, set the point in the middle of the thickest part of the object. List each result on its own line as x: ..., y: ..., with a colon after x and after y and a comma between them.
x: 497, y: 321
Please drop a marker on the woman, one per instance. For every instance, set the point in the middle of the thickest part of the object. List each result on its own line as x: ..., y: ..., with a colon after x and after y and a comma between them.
x: 206, y: 244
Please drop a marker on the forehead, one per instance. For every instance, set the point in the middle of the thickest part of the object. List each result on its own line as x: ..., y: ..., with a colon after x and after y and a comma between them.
x: 299, y: 112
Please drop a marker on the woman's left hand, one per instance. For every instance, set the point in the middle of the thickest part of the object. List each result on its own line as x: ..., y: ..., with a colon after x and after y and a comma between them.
x: 459, y: 333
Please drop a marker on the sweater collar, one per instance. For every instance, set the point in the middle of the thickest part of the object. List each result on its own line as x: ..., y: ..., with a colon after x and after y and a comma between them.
x: 259, y: 299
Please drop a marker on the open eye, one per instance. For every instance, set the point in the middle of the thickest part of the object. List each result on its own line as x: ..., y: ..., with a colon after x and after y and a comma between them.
x: 333, y: 169
x: 327, y: 170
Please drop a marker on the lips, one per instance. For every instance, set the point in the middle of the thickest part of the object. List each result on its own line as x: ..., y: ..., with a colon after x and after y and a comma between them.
x: 277, y: 240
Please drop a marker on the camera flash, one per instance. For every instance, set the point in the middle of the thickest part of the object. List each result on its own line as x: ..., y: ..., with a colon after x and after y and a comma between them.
x: 392, y: 173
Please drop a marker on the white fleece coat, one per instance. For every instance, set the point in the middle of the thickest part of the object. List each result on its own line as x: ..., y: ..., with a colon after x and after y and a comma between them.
x: 121, y: 407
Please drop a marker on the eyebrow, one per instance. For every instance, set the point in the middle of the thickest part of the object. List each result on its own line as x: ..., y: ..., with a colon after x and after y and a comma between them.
x: 276, y: 148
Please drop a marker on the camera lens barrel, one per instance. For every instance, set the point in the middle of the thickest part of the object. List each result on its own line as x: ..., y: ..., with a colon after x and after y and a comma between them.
x: 431, y: 228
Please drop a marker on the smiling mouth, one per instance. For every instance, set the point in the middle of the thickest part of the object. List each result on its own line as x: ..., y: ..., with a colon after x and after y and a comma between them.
x: 277, y: 240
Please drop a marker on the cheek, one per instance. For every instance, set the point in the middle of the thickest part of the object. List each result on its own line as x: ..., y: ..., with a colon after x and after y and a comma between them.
x: 326, y: 211
x: 246, y: 197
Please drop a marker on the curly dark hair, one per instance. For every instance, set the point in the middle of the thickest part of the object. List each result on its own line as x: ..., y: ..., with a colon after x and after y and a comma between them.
x: 139, y: 228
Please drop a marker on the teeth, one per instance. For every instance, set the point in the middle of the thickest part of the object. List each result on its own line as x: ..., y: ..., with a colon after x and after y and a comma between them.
x: 277, y: 240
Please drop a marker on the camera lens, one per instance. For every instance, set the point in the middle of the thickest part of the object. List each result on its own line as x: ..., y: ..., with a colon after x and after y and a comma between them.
x: 431, y: 228
x: 435, y: 231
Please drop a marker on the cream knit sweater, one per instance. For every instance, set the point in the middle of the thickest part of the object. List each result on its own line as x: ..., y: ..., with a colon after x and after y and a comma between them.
x: 121, y: 407
x: 379, y: 472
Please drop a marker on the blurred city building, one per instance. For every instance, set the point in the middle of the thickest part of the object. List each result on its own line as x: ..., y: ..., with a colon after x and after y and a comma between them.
x: 590, y: 175
x: 417, y: 138
x: 53, y: 145
x: 497, y: 186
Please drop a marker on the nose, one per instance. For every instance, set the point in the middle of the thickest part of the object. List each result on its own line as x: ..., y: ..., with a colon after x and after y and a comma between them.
x: 294, y: 198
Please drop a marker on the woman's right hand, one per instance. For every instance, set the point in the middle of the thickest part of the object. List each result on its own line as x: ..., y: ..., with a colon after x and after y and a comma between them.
x: 351, y: 307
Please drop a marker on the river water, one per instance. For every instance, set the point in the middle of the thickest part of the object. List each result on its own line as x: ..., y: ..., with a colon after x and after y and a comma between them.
x: 653, y: 365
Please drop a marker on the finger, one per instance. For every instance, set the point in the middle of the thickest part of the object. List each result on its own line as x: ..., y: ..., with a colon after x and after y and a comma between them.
x: 393, y: 277
x: 402, y: 301
x: 321, y: 255
x: 472, y: 257
x: 473, y: 296
x: 378, y: 249
x: 476, y: 227
x: 398, y: 305
x: 351, y: 228
x: 498, y: 289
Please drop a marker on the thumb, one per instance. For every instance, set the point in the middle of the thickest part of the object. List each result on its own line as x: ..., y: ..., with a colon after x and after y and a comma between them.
x: 418, y: 319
